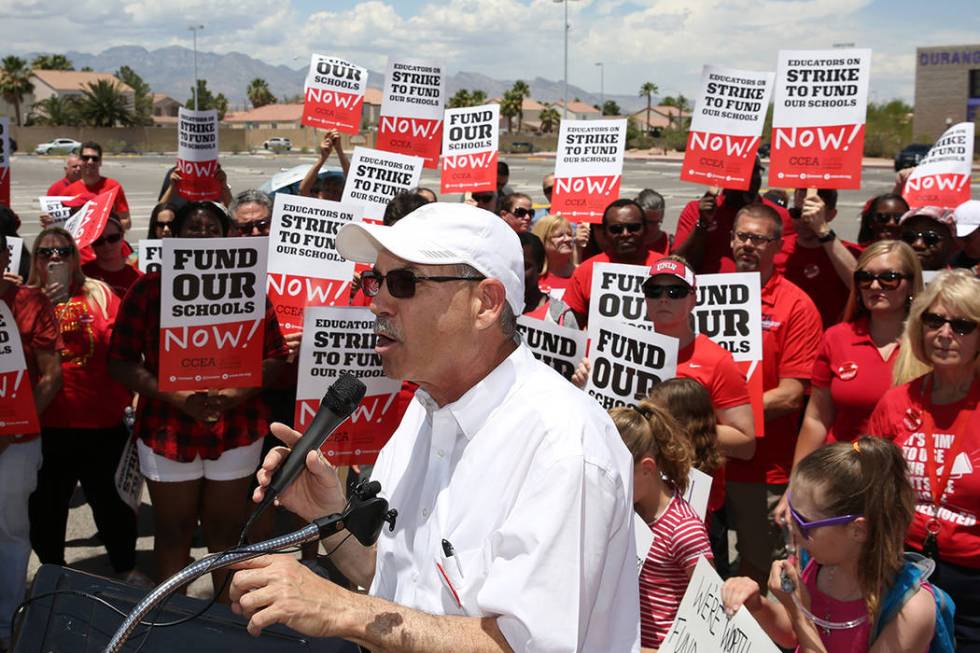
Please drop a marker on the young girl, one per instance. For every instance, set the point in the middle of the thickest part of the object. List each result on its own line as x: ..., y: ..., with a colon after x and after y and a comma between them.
x: 851, y: 504
x: 662, y: 456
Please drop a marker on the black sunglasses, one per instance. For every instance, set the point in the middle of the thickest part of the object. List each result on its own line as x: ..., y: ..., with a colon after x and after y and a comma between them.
x: 930, y: 238
x: 674, y: 292
x: 111, y: 239
x: 887, y: 280
x: 631, y: 227
x: 521, y: 212
x: 90, y: 157
x: 245, y: 228
x: 961, y: 326
x: 886, y: 218
x: 48, y: 252
x: 757, y: 239
x: 401, y: 283
x: 483, y: 198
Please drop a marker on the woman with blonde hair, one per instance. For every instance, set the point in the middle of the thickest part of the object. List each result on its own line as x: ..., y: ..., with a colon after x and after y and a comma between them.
x: 82, y: 430
x: 561, y: 253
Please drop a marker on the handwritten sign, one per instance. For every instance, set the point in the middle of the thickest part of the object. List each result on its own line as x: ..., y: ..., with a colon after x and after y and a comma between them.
x: 942, y: 178
x: 18, y: 415
x: 411, y: 109
x: 333, y: 97
x: 588, y: 168
x: 375, y: 177
x: 197, y: 154
x: 561, y: 348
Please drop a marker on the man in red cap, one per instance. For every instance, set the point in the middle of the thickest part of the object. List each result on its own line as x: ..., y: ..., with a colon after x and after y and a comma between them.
x: 929, y: 230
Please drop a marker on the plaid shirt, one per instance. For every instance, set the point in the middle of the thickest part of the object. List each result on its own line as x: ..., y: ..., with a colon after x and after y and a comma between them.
x: 164, y: 428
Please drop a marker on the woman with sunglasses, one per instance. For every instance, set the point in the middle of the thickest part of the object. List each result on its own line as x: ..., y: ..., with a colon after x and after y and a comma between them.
x: 880, y: 217
x: 110, y: 264
x: 935, y: 420
x: 161, y: 221
x: 561, y: 253
x: 82, y: 430
x: 850, y: 506
x: 516, y: 209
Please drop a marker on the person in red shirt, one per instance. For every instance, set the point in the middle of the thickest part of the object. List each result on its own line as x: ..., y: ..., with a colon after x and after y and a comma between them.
x: 92, y: 182
x: 935, y: 420
x: 815, y: 259
x: 73, y: 172
x: 790, y: 340
x: 705, y: 225
x: 931, y: 231
x: 621, y: 237
x: 538, y: 304
x: 561, y: 254
x: 653, y: 206
x: 20, y: 455
x: 82, y: 430
x: 110, y: 265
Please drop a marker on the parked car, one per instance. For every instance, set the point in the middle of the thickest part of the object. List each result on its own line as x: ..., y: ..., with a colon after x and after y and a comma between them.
x: 58, y: 146
x: 521, y: 147
x: 911, y: 156
x: 277, y: 143
x: 287, y: 180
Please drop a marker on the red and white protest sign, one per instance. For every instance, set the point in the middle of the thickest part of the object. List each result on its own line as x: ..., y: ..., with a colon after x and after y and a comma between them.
x: 150, y: 255
x: 197, y: 155
x: 411, y: 110
x: 942, y: 178
x: 54, y: 206
x: 5, y: 161
x: 87, y: 224
x: 470, y: 137
x: 588, y: 168
x: 375, y: 177
x: 726, y: 126
x: 18, y: 415
x: 305, y: 268
x: 340, y: 339
x: 818, y: 118
x: 212, y: 311
x: 333, y: 97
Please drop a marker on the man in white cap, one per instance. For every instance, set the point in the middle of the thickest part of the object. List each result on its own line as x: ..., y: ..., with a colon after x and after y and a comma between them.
x: 967, y: 218
x: 514, y: 490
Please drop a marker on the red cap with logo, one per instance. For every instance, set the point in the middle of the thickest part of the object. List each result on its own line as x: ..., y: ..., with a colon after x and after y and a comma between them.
x: 673, y: 268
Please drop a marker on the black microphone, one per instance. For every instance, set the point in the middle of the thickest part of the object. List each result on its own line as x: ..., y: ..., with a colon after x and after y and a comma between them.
x: 338, y: 404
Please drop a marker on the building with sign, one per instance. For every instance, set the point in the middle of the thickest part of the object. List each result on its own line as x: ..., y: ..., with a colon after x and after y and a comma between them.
x: 947, y: 89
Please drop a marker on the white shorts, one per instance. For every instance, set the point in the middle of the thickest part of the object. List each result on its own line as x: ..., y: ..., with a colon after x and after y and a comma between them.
x: 231, y: 465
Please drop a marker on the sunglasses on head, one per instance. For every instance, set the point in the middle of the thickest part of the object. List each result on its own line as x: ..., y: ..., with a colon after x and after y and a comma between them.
x: 805, y: 526
x: 402, y: 283
x: 90, y: 157
x: 679, y: 291
x: 48, y: 252
x: 887, y: 280
x: 112, y: 239
x: 618, y: 229
x: 521, y: 212
x: 246, y: 228
x: 930, y: 238
x: 886, y: 218
x: 482, y: 198
x: 960, y: 326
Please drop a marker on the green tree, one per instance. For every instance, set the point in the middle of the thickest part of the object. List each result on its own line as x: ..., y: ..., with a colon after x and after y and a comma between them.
x: 648, y: 90
x: 15, y: 82
x: 510, y: 106
x: 55, y: 111
x: 207, y: 100
x: 259, y: 94
x: 142, y: 97
x: 888, y: 128
x: 550, y: 119
x: 52, y: 62
x: 521, y: 90
x: 87, y: 69
x: 477, y: 98
x: 610, y: 108
x: 103, y: 104
x: 460, y: 98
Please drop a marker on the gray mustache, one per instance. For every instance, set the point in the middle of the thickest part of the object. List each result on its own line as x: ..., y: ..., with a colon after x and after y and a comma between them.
x: 384, y: 328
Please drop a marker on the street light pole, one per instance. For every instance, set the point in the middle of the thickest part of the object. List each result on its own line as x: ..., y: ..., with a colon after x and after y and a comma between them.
x: 193, y: 29
x: 602, y: 88
x: 564, y: 109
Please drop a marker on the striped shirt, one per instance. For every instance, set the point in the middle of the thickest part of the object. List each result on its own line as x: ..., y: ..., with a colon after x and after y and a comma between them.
x: 679, y: 539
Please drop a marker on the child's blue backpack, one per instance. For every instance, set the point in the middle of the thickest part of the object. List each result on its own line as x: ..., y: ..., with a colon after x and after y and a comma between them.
x: 914, y: 572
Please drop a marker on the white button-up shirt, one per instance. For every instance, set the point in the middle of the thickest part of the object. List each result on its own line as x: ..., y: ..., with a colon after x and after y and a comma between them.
x: 528, y: 480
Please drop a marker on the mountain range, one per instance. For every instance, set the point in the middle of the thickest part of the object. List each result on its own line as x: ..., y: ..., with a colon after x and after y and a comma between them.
x: 170, y: 70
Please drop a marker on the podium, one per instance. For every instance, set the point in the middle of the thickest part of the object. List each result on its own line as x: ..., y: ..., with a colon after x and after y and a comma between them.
x: 70, y: 623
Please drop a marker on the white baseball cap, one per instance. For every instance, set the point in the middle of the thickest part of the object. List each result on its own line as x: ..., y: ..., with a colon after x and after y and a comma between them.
x: 967, y: 216
x: 672, y: 268
x: 443, y: 233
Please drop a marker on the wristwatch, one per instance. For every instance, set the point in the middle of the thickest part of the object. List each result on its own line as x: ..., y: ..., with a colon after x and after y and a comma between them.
x: 827, y: 237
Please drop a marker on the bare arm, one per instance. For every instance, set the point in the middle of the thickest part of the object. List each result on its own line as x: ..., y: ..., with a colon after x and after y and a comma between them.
x: 816, y: 422
x: 341, y: 155
x: 306, y: 186
x: 843, y: 261
x: 125, y: 220
x: 783, y: 399
x: 49, y: 377
x: 772, y: 616
x: 736, y: 432
x: 692, y: 248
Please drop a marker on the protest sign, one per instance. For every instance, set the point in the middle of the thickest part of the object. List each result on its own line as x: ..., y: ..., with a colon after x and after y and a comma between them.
x: 375, y: 177
x: 54, y: 206
x: 702, y: 625
x: 470, y: 138
x: 340, y: 339
x: 150, y: 255
x: 5, y: 161
x: 617, y: 294
x: 698, y: 491
x: 644, y: 540
x: 18, y: 415
x: 558, y: 347
x: 411, y: 110
x: 726, y: 126
x: 16, y: 248
x: 333, y: 97
x: 942, y: 178
x: 588, y: 168
x: 818, y: 118
x: 87, y: 224
x: 212, y: 311
x: 197, y: 155
x: 627, y: 363
x: 305, y: 268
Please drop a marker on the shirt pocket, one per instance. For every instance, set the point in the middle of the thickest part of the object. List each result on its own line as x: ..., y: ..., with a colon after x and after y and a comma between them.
x: 461, y: 577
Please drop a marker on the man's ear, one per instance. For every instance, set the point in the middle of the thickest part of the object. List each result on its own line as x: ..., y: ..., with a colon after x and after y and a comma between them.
x: 831, y: 214
x: 491, y: 297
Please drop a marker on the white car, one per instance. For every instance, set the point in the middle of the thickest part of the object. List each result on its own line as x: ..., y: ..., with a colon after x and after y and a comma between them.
x: 58, y: 146
x: 277, y: 143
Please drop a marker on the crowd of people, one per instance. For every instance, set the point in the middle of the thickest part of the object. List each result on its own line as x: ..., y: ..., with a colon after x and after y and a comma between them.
x: 860, y: 477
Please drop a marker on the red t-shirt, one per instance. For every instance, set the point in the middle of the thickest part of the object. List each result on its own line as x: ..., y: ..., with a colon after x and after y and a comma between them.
x: 810, y: 269
x: 580, y: 289
x: 897, y: 417
x: 790, y: 340
x: 89, y: 398
x: 58, y: 188
x: 554, y: 285
x: 718, y: 247
x: 102, y: 185
x: 662, y: 244
x: 849, y: 364
x: 119, y: 280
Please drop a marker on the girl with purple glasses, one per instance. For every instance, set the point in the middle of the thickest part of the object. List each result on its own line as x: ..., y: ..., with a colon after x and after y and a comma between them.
x: 850, y: 505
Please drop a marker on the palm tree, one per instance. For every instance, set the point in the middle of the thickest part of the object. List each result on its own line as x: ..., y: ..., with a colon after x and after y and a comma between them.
x: 460, y: 98
x: 522, y: 90
x: 103, y: 105
x: 259, y: 94
x: 56, y: 111
x: 510, y: 106
x: 142, y: 97
x: 550, y: 119
x: 15, y: 82
x: 477, y: 98
x: 52, y: 62
x: 648, y: 89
